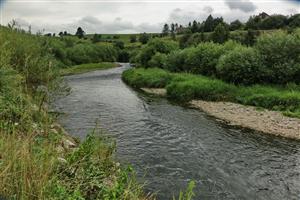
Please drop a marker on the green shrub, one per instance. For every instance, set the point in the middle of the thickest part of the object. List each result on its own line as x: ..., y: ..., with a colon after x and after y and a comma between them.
x: 152, y: 78
x: 203, y: 58
x: 175, y: 61
x: 199, y: 87
x: 158, y: 60
x: 221, y: 33
x: 155, y: 46
x: 280, y: 53
x: 92, y: 53
x: 241, y: 65
x: 270, y: 97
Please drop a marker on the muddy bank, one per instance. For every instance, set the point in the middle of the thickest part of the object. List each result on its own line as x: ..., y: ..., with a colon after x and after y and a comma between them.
x: 271, y: 122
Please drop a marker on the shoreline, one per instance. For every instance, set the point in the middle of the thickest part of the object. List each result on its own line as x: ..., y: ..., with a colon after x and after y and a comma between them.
x: 262, y: 120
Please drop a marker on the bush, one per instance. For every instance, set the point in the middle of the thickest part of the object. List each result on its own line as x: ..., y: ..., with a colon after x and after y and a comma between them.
x: 280, y: 53
x: 158, y: 60
x: 271, y: 98
x: 221, y: 33
x: 191, y: 87
x: 241, y: 65
x: 204, y: 58
x: 92, y: 53
x: 156, y: 46
x: 175, y: 61
x: 152, y: 78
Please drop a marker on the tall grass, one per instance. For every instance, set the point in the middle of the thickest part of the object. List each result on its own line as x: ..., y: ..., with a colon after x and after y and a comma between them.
x: 26, y: 167
x: 184, y: 87
x: 34, y: 163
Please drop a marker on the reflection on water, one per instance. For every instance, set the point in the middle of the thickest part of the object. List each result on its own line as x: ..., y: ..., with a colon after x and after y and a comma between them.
x: 169, y: 145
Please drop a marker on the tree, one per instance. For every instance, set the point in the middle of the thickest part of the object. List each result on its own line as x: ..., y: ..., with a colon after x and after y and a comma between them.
x: 235, y: 25
x: 220, y: 34
x: 119, y: 44
x: 144, y: 38
x: 294, y: 21
x: 166, y: 30
x: 194, y: 27
x: 183, y: 40
x: 96, y: 38
x: 65, y: 33
x: 133, y: 39
x: 61, y: 34
x: 48, y: 34
x: 172, y: 28
x: 273, y: 22
x: 253, y: 23
x: 173, y: 35
x: 176, y: 27
x: 208, y: 24
x: 79, y: 33
x: 250, y: 37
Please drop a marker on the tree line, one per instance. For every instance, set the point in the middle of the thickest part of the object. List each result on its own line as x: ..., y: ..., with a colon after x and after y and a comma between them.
x: 262, y: 21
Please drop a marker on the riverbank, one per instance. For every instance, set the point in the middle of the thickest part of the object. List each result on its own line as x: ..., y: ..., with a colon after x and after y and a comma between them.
x: 216, y: 101
x: 38, y: 159
x: 79, y: 69
x: 262, y: 120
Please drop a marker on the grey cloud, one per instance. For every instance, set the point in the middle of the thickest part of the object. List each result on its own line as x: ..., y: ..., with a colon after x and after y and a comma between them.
x: 185, y: 16
x: 182, y: 16
x: 243, y: 5
x: 91, y: 24
x: 146, y: 27
x: 208, y: 9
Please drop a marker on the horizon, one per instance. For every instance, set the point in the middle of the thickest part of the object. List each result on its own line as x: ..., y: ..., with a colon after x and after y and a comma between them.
x: 131, y: 17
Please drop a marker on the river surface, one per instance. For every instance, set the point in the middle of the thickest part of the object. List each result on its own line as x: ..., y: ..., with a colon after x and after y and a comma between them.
x: 169, y: 145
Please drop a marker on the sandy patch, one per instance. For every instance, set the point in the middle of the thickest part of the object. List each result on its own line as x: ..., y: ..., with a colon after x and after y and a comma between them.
x: 266, y: 121
x: 156, y: 91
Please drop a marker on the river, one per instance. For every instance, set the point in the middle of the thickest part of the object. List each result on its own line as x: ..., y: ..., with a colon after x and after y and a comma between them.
x: 169, y: 145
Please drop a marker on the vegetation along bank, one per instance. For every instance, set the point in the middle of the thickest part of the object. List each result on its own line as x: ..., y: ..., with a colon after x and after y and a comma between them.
x: 230, y: 75
x: 213, y: 96
x: 38, y: 159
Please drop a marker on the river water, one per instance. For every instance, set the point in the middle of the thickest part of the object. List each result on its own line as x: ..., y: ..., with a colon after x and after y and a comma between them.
x: 169, y: 145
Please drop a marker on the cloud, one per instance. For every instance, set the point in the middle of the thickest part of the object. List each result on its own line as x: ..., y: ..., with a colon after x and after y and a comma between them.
x: 184, y: 16
x: 136, y: 16
x: 243, y: 5
x: 208, y: 9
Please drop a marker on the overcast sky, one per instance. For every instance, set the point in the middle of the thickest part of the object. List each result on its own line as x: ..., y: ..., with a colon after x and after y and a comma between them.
x: 131, y: 16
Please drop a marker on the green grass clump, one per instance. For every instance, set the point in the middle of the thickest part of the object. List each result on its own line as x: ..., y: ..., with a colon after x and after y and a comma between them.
x: 187, y: 87
x: 78, y: 69
x: 152, y: 78
x: 90, y: 172
x: 184, y: 87
x: 270, y: 97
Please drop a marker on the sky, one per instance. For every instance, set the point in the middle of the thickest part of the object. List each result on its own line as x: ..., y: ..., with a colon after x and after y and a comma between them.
x: 131, y: 16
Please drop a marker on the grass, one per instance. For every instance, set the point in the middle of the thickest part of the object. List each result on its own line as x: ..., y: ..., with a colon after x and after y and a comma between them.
x: 78, y: 69
x: 184, y: 87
